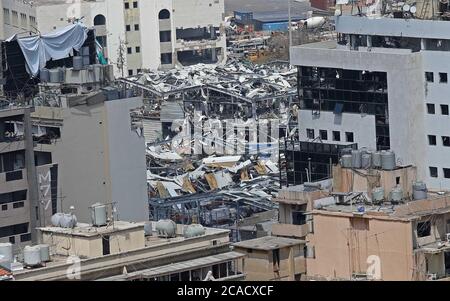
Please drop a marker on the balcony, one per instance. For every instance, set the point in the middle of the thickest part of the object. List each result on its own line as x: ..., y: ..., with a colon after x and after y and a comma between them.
x: 290, y: 230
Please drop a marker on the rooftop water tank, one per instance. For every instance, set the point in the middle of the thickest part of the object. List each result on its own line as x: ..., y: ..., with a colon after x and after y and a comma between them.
x: 366, y: 160
x: 98, y: 215
x: 56, y: 219
x: 419, y: 190
x: 166, y: 228
x: 356, y: 158
x: 44, y: 76
x: 55, y: 76
x: 32, y: 256
x: 6, y: 252
x: 148, y: 231
x: 45, y: 252
x: 378, y: 195
x: 376, y: 160
x: 62, y: 74
x: 346, y: 161
x: 77, y: 62
x: 388, y: 160
x: 194, y: 230
x: 396, y: 194
x: 68, y: 221
x: 346, y: 151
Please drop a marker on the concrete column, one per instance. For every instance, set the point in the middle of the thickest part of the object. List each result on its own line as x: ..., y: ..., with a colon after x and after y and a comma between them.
x: 423, y: 44
x: 291, y: 264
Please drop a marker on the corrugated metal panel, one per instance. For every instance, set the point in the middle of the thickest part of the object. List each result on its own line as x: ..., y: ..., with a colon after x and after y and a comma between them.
x: 171, y: 110
x: 152, y: 130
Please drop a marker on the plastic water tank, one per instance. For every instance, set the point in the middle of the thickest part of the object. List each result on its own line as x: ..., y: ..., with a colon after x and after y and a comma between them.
x: 346, y: 151
x: 68, y: 221
x: 377, y: 194
x: 56, y: 219
x: 346, y: 161
x: 32, y: 256
x: 77, y: 62
x: 388, y: 160
x: 366, y: 160
x: 45, y: 252
x: 419, y: 190
x: 86, y: 60
x: 356, y: 158
x: 396, y: 194
x: 6, y: 252
x: 85, y: 51
x: 166, y: 228
x: 376, y: 160
x: 55, y: 76
x: 62, y: 74
x: 98, y: 215
x: 44, y: 75
x: 148, y: 230
x: 194, y: 230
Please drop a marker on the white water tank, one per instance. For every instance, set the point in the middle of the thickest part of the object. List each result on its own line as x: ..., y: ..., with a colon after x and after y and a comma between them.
x: 377, y: 194
x: 98, y: 215
x: 346, y: 161
x: 366, y: 161
x: 32, y: 256
x: 45, y: 252
x: 166, y: 228
x: 55, y: 76
x: 68, y: 221
x: 44, y: 75
x: 6, y: 252
x: 148, y: 230
x: 56, y: 219
x: 77, y: 63
x: 194, y: 230
x: 388, y: 160
x: 356, y: 158
x: 396, y: 194
x: 376, y: 159
x: 419, y: 190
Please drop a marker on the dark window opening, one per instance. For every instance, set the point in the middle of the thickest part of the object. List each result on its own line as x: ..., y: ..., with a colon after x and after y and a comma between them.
x: 397, y: 180
x: 431, y: 139
x: 127, y: 5
x: 442, y: 77
x: 4, y: 207
x: 18, y: 205
x: 128, y: 27
x: 12, y: 239
x: 298, y: 218
x: 429, y: 77
x: 433, y: 172
x: 99, y: 20
x: 424, y: 229
x: 166, y: 58
x: 336, y: 136
x: 444, y: 109
x: 446, y: 173
x: 135, y: 4
x: 310, y: 133
x: 164, y: 14
x: 165, y: 36
x: 349, y: 137
x: 136, y: 27
x: 323, y: 134
x: 25, y: 237
x: 276, y: 259
x: 105, y: 245
x: 430, y: 108
x: 13, y: 230
x: 445, y: 140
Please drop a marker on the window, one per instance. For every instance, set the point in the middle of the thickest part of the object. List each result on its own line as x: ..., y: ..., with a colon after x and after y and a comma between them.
x: 25, y: 237
x: 14, y: 176
x: 99, y: 20
x: 13, y: 230
x: 165, y: 36
x: 164, y: 14
x: 18, y: 205
x: 139, y: 71
x: 431, y: 139
x: 4, y: 207
x: 130, y: 72
x: 105, y: 245
x: 445, y: 140
x: 429, y: 77
x: 446, y: 173
x: 128, y: 27
x: 166, y: 58
x: 430, y: 108
x: 442, y: 77
x: 433, y: 172
x: 12, y: 240
x: 138, y: 49
x: 424, y: 229
x: 129, y: 50
x: 349, y: 137
x: 135, y: 4
x: 136, y: 27
x: 298, y: 218
x: 323, y: 134
x: 6, y: 16
x: 336, y: 136
x: 444, y: 109
x: 310, y: 133
x: 127, y: 5
x: 276, y: 259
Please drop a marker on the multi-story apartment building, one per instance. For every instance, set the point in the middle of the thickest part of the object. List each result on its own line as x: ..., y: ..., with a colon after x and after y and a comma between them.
x: 382, y: 85
x: 136, y: 35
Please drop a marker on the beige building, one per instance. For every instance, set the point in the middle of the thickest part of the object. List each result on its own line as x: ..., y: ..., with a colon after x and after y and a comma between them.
x: 272, y: 258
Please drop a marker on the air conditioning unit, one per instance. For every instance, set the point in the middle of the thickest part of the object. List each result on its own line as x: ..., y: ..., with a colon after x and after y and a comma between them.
x: 431, y: 276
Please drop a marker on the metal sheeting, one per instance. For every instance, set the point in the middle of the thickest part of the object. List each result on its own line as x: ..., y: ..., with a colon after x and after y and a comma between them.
x: 152, y: 130
x: 171, y: 110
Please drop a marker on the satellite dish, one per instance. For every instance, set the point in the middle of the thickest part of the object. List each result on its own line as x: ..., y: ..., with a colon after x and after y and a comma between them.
x: 413, y: 9
x: 406, y: 8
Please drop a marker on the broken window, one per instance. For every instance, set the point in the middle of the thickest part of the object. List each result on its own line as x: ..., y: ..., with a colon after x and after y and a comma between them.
x: 430, y: 108
x: 444, y: 109
x: 442, y: 77
x: 433, y: 172
x: 431, y: 139
x: 429, y: 77
x: 424, y: 229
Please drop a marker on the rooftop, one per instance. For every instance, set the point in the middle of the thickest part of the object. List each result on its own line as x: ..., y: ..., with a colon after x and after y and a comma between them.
x: 267, y: 243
